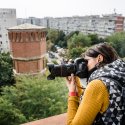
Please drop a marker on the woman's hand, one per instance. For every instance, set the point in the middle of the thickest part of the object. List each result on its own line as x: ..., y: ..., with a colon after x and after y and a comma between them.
x: 71, y: 83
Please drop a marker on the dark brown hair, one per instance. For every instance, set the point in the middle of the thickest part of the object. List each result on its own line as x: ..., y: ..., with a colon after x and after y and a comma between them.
x: 107, y: 51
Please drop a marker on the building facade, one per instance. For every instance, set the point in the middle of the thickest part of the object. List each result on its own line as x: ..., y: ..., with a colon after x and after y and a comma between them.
x: 28, y: 48
x: 7, y: 19
x: 103, y: 25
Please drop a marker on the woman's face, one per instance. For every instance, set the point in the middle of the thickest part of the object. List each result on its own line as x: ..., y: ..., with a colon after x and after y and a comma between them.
x: 91, y: 62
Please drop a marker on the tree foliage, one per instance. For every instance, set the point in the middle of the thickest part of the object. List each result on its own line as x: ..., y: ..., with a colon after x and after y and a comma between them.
x: 32, y: 98
x: 68, y: 36
x: 57, y: 37
x: 52, y: 35
x: 117, y: 40
x: 50, y: 45
x: 75, y: 52
x: 76, y: 44
x: 9, y: 114
x: 6, y: 69
x: 95, y: 39
x: 79, y: 40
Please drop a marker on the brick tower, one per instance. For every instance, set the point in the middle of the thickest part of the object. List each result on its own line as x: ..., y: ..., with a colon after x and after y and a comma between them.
x: 28, y: 48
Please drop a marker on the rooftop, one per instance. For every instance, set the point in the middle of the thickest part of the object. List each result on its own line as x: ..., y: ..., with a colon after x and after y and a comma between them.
x: 26, y: 26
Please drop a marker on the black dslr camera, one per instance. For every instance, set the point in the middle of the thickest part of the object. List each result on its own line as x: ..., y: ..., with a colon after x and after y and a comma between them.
x: 78, y: 68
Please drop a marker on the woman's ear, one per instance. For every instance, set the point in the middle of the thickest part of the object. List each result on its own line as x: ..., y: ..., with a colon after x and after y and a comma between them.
x: 100, y: 58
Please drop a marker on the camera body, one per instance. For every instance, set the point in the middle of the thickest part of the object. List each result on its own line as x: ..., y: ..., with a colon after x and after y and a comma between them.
x: 78, y: 68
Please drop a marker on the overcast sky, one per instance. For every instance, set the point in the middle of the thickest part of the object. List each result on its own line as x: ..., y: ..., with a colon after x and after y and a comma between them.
x: 63, y: 8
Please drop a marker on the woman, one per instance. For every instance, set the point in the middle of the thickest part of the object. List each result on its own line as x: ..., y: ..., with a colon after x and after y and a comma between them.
x: 101, y: 100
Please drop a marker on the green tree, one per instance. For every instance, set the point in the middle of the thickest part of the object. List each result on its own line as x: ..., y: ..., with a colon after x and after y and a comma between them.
x: 32, y: 98
x: 52, y: 35
x: 9, y: 114
x: 6, y: 69
x: 68, y: 36
x: 79, y: 40
x: 76, y: 44
x: 62, y: 44
x: 61, y: 39
x: 75, y: 52
x: 117, y: 40
x: 50, y: 45
x: 61, y: 36
x: 94, y: 39
x: 122, y: 51
x: 56, y: 37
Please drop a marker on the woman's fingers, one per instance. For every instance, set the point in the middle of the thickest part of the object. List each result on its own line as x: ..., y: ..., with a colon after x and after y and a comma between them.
x: 68, y: 78
x: 72, y: 78
x: 71, y: 83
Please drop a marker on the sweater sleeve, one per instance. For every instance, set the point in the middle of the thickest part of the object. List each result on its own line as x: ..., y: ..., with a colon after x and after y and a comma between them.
x: 95, y: 99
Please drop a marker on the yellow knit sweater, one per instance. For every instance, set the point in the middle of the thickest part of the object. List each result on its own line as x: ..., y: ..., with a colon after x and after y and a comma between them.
x: 95, y: 99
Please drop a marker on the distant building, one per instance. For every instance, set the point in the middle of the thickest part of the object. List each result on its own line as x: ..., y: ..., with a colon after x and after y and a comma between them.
x: 7, y: 19
x: 103, y: 25
x: 28, y: 48
x: 109, y: 24
x: 31, y: 20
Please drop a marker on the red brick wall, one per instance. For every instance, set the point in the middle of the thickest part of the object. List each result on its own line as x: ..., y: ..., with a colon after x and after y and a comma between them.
x: 26, y: 67
x: 29, y: 66
x: 28, y: 50
x: 43, y: 47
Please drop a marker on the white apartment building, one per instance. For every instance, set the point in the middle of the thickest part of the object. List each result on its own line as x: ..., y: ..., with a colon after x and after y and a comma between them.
x: 7, y: 20
x: 108, y: 24
x: 103, y: 25
x: 93, y: 24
